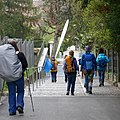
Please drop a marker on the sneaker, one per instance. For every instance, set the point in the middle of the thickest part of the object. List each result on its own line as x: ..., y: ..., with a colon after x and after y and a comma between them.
x: 90, y: 92
x: 72, y: 93
x: 87, y: 91
x: 102, y: 84
x: 20, y: 110
x: 67, y: 93
x: 13, y: 113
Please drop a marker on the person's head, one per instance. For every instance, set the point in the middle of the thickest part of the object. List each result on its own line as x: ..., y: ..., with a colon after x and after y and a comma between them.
x: 14, y: 44
x: 53, y: 58
x: 87, y: 48
x: 71, y: 53
x: 65, y: 56
x: 101, y: 50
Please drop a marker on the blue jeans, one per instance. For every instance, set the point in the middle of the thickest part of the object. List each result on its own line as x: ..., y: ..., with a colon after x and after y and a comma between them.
x: 71, y: 82
x: 101, y: 75
x: 54, y: 76
x: 89, y: 80
x: 13, y: 87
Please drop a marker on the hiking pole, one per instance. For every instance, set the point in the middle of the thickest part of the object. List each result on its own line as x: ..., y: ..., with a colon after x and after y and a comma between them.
x: 2, y: 92
x: 29, y: 90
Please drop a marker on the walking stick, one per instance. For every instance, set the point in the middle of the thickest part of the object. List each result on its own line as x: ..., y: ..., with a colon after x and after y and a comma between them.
x: 2, y: 91
x: 29, y: 90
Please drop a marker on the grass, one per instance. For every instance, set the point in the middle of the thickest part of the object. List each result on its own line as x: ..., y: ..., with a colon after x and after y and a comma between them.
x: 25, y: 75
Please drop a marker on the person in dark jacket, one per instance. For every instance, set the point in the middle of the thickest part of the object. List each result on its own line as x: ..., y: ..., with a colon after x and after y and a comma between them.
x: 17, y: 103
x: 72, y: 68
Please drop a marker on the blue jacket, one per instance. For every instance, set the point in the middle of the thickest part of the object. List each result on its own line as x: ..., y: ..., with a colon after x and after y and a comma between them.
x: 83, y: 61
x: 101, y: 56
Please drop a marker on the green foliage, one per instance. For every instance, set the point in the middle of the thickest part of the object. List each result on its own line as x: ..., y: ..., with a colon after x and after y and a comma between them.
x: 101, y: 24
x: 19, y: 19
x: 93, y: 22
x: 96, y: 23
x: 113, y: 24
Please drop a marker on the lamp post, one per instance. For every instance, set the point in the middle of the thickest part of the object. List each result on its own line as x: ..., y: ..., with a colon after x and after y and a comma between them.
x: 51, y: 47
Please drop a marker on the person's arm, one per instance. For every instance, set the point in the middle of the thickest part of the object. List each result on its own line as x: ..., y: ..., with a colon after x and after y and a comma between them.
x: 97, y: 59
x: 107, y: 59
x: 82, y: 61
x: 23, y: 60
x: 95, y: 63
x: 63, y: 64
x: 76, y: 65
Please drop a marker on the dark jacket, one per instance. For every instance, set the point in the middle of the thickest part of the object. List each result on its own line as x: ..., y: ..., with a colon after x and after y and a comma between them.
x: 23, y: 61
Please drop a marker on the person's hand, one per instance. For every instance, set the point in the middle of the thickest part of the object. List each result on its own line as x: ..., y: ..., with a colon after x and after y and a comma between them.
x: 95, y: 73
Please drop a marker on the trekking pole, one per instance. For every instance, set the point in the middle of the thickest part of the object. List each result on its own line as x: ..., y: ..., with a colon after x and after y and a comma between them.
x: 2, y: 92
x: 29, y: 90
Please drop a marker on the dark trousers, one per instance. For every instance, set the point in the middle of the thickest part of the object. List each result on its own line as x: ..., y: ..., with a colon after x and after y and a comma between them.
x: 54, y: 76
x: 101, y: 74
x: 71, y: 82
x: 89, y: 80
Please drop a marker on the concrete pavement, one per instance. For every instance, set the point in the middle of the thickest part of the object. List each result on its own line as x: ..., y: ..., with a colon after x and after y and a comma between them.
x: 51, y: 103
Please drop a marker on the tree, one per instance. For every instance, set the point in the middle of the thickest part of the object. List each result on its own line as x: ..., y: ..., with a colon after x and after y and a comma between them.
x: 56, y: 12
x: 19, y: 19
x: 101, y: 19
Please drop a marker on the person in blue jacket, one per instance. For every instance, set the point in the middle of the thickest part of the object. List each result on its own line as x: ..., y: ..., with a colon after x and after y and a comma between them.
x: 88, y: 63
x: 102, y: 61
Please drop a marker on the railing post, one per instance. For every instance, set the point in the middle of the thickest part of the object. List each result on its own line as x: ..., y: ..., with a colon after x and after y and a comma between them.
x: 112, y: 60
x: 118, y: 66
x: 33, y: 78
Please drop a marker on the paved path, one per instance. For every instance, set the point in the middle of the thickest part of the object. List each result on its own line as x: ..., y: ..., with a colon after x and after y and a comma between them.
x: 59, y: 88
x: 51, y: 103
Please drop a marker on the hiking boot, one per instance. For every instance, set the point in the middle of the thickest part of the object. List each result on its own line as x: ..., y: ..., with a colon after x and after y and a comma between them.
x: 13, y: 113
x: 67, y: 93
x: 72, y: 93
x: 90, y: 92
x: 55, y: 80
x: 20, y: 110
x: 102, y: 84
x: 87, y: 91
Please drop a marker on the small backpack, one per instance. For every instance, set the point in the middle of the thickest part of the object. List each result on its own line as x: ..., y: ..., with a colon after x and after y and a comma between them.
x: 54, y: 65
x: 88, y: 62
x: 102, y: 62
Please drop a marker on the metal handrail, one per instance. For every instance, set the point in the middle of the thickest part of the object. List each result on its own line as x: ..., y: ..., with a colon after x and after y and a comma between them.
x: 36, y: 76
